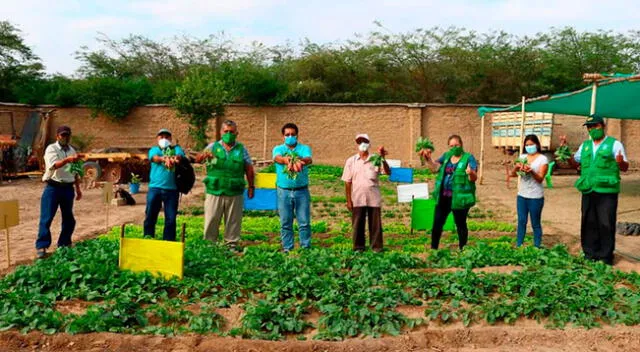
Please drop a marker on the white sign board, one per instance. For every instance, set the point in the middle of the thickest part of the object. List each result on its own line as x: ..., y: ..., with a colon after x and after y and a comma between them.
x: 394, y: 163
x: 415, y: 190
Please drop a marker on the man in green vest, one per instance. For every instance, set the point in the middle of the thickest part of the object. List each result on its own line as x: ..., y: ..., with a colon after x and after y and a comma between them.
x: 601, y: 159
x: 227, y: 163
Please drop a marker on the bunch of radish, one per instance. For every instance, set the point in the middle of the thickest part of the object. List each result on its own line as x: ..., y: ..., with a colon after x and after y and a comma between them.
x: 294, y: 166
x: 424, y: 143
x: 77, y: 168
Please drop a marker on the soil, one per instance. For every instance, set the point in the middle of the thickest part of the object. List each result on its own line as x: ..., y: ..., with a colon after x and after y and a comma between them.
x: 561, y: 224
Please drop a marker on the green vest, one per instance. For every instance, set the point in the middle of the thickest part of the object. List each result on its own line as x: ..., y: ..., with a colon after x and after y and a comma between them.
x: 225, y: 176
x: 601, y: 173
x: 463, y: 190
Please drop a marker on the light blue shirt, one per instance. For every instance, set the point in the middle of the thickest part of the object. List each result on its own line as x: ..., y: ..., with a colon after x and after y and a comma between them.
x: 160, y: 176
x: 282, y: 180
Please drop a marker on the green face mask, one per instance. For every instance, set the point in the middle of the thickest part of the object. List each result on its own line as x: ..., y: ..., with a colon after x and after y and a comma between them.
x: 596, y: 133
x: 457, y: 150
x: 229, y: 138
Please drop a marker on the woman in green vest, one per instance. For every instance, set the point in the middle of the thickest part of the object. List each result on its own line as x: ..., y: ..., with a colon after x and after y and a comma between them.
x: 455, y: 189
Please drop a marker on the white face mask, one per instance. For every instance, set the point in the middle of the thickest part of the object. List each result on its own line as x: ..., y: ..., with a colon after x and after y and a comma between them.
x: 363, y: 147
x: 163, y: 143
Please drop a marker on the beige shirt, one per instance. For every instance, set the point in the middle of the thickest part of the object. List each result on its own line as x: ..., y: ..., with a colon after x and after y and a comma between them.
x: 53, y: 154
x: 365, y: 190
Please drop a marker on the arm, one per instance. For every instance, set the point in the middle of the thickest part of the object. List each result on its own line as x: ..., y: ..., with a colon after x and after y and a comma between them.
x: 251, y: 176
x: 572, y: 161
x: 472, y: 166
x: 539, y: 176
x: 431, y: 164
x: 347, y: 189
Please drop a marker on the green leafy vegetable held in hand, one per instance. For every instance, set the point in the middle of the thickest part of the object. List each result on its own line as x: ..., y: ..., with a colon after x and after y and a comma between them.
x: 376, y: 160
x: 524, y: 161
x: 424, y: 143
x: 563, y: 153
x: 135, y: 178
x: 77, y: 168
x: 167, y: 153
x: 292, y: 172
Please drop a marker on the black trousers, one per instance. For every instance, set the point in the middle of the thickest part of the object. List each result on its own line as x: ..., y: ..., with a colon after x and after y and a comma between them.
x: 359, y: 215
x: 598, y: 231
x: 443, y: 208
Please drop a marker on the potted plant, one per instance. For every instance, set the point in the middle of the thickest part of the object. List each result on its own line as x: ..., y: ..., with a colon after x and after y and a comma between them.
x: 134, y: 184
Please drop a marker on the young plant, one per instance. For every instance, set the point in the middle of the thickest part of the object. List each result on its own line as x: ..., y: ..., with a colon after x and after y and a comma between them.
x: 424, y: 143
x: 522, y: 161
x: 376, y: 159
x: 135, y: 179
x: 293, y: 170
x: 563, y: 153
x: 77, y: 168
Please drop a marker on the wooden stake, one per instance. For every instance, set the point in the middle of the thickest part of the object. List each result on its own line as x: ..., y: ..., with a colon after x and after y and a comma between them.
x: 122, y: 230
x: 264, y: 145
x: 522, y: 121
x: 184, y: 226
x: 594, y: 93
x: 7, y: 244
x: 107, y: 218
x: 481, y: 170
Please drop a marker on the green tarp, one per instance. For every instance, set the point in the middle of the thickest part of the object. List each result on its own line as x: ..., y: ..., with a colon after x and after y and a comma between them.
x: 422, y: 211
x: 616, y: 98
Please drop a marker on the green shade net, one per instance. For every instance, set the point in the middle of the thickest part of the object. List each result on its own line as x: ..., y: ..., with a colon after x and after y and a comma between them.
x: 422, y: 211
x: 617, y: 98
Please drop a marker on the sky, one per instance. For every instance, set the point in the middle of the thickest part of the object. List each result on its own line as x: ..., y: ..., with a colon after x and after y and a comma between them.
x: 56, y: 29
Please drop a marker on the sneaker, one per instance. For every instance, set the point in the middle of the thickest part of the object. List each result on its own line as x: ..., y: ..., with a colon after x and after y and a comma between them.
x: 42, y: 252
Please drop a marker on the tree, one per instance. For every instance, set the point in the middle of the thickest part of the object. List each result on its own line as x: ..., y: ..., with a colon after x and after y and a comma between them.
x: 17, y: 61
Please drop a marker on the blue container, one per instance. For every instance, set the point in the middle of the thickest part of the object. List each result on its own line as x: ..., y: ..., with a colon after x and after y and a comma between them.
x: 134, y: 188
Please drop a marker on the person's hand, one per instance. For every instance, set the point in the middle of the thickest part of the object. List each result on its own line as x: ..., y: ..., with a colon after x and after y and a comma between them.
x: 563, y: 140
x: 250, y: 192
x: 426, y: 154
x: 350, y: 205
x: 72, y: 158
x: 382, y: 151
x: 619, y: 157
x: 518, y: 166
x: 470, y: 171
x: 78, y: 193
x: 526, y: 168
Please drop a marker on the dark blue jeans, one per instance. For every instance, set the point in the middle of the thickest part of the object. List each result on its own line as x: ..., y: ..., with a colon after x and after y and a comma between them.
x: 530, y: 207
x: 52, y: 198
x: 156, y: 198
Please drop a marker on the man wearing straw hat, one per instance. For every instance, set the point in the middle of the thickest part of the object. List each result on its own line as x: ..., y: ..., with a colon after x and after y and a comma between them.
x: 601, y: 159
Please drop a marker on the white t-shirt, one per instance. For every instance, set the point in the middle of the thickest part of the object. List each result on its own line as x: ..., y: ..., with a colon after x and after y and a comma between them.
x: 529, y: 187
x: 53, y: 154
x: 617, y: 148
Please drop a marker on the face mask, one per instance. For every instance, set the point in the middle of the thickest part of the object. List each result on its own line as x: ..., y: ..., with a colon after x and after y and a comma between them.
x: 164, y: 143
x: 596, y: 134
x: 457, y: 150
x: 229, y: 138
x: 363, y: 147
x: 531, y: 149
x: 291, y: 140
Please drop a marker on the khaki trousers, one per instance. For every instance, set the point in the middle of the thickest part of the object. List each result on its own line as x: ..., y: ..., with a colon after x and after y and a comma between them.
x: 215, y: 207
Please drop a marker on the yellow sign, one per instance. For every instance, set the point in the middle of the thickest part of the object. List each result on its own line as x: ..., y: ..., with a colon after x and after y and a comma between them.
x: 107, y: 193
x: 160, y: 258
x: 9, y: 211
x: 265, y: 181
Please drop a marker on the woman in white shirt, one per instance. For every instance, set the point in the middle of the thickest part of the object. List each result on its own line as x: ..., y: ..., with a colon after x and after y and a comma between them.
x: 530, y: 190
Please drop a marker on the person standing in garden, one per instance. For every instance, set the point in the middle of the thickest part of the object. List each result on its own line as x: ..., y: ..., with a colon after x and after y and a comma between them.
x: 228, y: 162
x: 362, y: 189
x: 532, y: 166
x: 59, y: 191
x: 601, y: 158
x: 292, y: 180
x: 163, y: 192
x: 455, y: 189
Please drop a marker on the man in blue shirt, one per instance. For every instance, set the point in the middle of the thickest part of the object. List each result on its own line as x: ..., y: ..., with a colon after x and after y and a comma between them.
x: 162, y: 186
x: 292, y: 180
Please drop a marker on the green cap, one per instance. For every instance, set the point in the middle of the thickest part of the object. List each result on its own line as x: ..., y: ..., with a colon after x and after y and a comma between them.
x: 593, y: 119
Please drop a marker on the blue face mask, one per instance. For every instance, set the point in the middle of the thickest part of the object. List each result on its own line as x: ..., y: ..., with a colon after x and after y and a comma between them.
x: 291, y: 140
x: 531, y: 149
